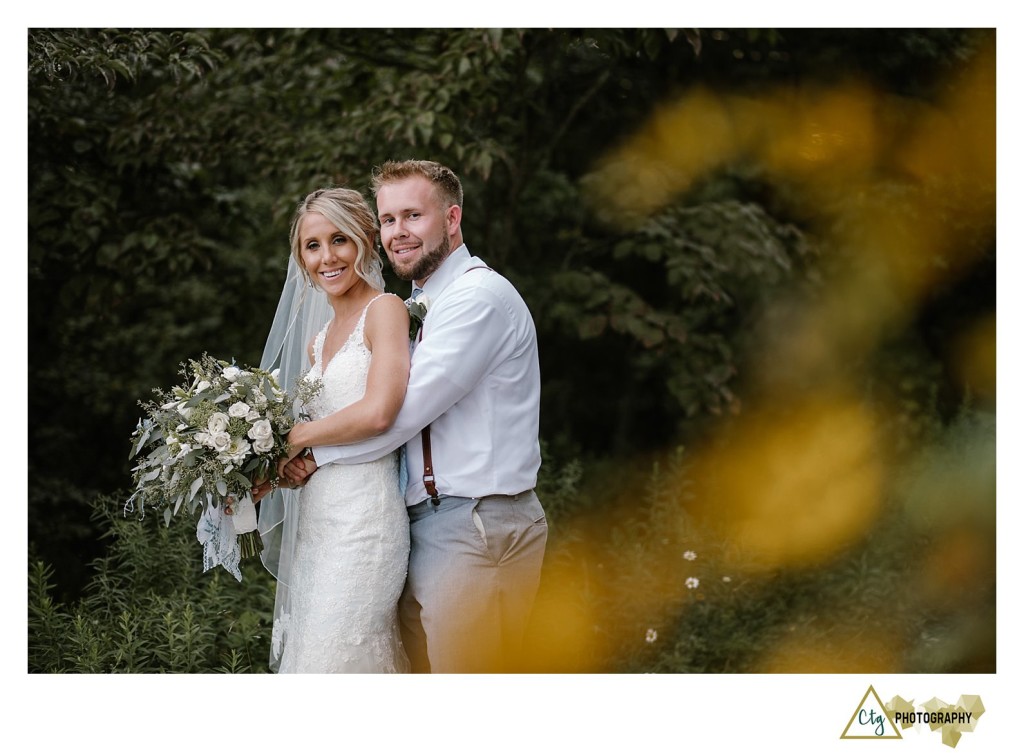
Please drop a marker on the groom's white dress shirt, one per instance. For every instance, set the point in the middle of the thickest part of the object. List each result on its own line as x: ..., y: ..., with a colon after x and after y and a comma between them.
x: 475, y: 380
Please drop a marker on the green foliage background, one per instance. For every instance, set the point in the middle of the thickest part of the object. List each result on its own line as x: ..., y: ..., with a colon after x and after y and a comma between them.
x: 163, y: 168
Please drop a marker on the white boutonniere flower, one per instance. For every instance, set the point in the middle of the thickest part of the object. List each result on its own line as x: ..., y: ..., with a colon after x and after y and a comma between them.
x: 417, y: 313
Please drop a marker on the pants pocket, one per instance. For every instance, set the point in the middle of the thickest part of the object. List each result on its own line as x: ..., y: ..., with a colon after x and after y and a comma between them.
x: 479, y: 523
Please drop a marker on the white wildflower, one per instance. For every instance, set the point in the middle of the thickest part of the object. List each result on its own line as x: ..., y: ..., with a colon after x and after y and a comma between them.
x: 652, y: 635
x: 692, y: 582
x: 689, y: 555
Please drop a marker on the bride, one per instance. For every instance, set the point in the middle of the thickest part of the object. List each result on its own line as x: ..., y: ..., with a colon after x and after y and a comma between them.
x: 340, y: 546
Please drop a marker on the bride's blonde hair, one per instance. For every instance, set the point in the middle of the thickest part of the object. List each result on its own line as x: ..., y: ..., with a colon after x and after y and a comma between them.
x: 348, y: 211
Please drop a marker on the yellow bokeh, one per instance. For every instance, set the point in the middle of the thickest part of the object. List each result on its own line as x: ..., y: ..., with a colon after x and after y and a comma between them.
x: 793, y: 488
x: 833, y: 650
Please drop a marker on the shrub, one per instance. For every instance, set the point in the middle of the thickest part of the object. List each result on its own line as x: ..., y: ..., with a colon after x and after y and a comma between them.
x: 149, y: 607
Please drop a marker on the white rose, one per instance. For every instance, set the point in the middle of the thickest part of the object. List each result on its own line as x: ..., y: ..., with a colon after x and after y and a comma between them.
x: 220, y: 441
x: 218, y: 422
x: 260, y: 399
x: 231, y: 373
x: 261, y: 430
x: 263, y: 445
x: 202, y: 386
x: 202, y: 438
x: 239, y: 410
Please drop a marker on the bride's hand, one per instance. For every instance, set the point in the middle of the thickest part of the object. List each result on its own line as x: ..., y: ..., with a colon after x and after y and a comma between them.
x: 260, y: 490
x: 263, y: 488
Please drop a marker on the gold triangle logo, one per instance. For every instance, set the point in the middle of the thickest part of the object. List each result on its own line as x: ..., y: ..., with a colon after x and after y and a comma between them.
x: 871, y: 720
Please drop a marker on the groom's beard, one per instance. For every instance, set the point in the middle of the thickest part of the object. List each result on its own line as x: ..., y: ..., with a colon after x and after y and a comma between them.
x: 427, y: 264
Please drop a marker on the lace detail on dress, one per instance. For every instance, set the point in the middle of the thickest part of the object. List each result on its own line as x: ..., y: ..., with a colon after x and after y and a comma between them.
x: 352, y: 545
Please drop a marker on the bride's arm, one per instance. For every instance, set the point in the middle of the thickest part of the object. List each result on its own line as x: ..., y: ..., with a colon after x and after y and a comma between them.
x: 387, y: 334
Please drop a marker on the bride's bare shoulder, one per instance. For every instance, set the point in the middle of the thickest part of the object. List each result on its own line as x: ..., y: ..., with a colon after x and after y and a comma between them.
x: 387, y: 306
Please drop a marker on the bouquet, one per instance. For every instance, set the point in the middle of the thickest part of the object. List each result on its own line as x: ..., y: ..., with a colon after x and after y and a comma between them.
x: 210, y: 440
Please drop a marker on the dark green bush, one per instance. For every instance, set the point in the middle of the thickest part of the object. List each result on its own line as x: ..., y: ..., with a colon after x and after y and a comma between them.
x: 149, y: 607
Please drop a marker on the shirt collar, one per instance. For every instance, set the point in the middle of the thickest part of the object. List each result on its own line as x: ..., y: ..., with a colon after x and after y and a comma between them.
x: 450, y: 269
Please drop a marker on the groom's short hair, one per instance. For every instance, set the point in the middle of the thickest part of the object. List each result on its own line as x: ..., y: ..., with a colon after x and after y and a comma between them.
x: 449, y: 189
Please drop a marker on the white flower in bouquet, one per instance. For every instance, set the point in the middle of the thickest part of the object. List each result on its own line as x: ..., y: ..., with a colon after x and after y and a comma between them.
x: 220, y: 441
x: 236, y: 451
x: 239, y: 410
x: 263, y: 446
x: 262, y: 436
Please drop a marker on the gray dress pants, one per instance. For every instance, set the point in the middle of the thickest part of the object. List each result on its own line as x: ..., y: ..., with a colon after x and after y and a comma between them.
x: 474, y: 570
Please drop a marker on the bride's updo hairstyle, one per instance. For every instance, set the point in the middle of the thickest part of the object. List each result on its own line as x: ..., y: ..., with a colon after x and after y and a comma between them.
x: 348, y: 211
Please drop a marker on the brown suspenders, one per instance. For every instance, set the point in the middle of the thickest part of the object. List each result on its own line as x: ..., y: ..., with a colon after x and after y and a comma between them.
x: 428, y: 462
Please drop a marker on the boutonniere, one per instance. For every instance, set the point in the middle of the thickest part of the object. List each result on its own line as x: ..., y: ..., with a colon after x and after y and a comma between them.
x: 417, y: 313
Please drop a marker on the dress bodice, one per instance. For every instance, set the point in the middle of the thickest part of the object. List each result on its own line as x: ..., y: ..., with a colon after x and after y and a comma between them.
x: 344, y: 378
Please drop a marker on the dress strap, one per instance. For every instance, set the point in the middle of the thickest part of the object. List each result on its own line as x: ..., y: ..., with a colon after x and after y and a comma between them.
x: 318, y: 345
x: 362, y: 317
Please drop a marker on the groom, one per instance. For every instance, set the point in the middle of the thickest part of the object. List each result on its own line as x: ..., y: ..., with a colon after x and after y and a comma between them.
x: 469, y: 425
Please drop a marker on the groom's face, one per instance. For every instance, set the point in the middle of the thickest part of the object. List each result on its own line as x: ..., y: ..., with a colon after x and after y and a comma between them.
x: 413, y: 227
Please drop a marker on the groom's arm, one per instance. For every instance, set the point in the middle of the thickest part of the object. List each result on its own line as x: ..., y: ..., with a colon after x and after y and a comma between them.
x: 468, y: 335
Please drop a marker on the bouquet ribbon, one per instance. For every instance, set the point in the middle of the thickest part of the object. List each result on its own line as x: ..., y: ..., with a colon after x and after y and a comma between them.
x: 244, y: 516
x: 227, y: 539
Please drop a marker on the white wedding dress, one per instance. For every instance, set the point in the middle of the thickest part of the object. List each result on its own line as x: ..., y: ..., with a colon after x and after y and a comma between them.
x: 352, y: 545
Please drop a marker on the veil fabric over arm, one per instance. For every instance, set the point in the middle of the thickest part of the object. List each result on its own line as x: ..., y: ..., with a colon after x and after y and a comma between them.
x: 301, y: 313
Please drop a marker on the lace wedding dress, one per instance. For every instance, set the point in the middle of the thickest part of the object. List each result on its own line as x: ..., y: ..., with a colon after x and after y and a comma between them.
x: 352, y: 545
